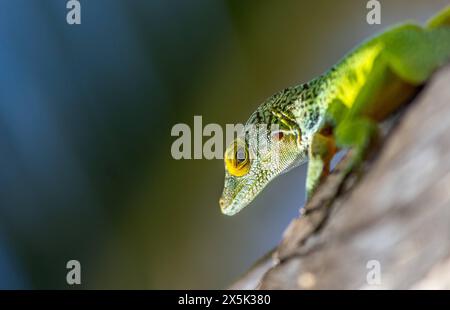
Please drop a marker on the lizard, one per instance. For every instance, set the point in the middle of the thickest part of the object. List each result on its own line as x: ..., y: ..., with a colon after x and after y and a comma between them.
x: 339, y: 110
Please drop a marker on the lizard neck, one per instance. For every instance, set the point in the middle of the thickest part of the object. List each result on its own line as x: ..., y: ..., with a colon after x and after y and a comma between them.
x: 310, y: 106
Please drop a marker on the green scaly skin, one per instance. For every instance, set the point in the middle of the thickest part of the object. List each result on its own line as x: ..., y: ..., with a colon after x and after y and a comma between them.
x: 340, y: 109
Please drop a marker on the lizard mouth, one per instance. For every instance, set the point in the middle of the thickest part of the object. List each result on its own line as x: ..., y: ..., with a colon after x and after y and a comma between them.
x: 232, y: 204
x: 231, y: 207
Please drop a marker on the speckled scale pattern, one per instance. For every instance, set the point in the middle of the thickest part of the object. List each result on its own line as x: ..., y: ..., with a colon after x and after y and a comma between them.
x: 305, y: 103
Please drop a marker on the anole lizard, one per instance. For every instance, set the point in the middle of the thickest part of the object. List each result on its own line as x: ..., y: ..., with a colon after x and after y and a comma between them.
x: 340, y: 109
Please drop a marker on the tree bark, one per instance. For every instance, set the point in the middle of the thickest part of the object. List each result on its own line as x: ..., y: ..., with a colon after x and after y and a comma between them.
x: 386, y: 226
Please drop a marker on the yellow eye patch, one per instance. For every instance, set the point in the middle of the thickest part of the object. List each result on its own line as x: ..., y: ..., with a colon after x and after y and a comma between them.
x: 237, y: 160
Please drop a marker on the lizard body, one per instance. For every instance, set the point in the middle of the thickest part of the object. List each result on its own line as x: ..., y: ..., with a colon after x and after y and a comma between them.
x: 337, y: 110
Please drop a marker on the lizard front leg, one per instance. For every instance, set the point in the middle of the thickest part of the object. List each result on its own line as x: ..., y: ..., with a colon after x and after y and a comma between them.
x: 321, y: 151
x: 357, y: 134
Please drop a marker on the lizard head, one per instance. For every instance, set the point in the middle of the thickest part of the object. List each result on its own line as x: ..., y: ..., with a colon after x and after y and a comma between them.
x: 270, y: 145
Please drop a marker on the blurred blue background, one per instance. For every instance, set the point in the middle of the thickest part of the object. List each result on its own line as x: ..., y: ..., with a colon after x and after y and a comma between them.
x: 86, y: 113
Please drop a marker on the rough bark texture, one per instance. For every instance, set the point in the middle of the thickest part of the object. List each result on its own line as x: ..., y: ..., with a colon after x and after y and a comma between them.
x: 394, y: 214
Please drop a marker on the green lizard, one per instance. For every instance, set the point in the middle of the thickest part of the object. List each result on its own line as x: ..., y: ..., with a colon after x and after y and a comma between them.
x: 340, y: 109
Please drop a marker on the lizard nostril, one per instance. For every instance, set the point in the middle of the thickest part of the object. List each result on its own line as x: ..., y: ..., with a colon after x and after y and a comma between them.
x: 221, y: 202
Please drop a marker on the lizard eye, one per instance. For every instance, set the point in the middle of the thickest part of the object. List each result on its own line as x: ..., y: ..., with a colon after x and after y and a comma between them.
x: 278, y: 136
x: 237, y: 159
x: 241, y: 155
